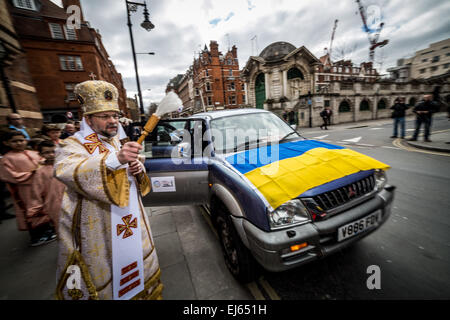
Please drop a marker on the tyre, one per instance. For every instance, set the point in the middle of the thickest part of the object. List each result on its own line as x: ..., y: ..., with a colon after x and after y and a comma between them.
x: 238, y: 258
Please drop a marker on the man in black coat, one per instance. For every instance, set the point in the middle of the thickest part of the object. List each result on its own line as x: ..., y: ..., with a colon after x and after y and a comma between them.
x: 399, y: 116
x: 424, y: 112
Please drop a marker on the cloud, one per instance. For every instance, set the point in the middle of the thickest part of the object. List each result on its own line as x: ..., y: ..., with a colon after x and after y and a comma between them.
x: 181, y: 26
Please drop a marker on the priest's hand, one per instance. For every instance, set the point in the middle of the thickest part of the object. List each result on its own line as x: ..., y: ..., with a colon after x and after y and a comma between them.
x: 135, y: 167
x: 129, y: 152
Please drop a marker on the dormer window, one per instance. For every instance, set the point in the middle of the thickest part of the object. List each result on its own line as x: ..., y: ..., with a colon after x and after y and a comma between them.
x: 25, y: 4
x: 56, y: 31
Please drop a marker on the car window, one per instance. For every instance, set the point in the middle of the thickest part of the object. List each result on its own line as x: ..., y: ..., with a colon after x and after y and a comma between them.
x: 165, y: 137
x: 230, y: 133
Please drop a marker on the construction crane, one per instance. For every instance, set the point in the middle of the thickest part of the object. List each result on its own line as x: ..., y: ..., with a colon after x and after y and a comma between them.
x: 332, y: 38
x: 372, y: 40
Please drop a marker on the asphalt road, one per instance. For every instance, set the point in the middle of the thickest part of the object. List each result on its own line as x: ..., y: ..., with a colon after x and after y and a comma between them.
x: 412, y: 248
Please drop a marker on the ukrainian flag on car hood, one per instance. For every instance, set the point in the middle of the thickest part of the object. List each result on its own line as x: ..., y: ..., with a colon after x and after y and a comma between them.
x: 284, y: 171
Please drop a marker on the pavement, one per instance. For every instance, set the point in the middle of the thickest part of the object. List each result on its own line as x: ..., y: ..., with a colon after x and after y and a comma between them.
x: 190, y: 257
x: 440, y: 140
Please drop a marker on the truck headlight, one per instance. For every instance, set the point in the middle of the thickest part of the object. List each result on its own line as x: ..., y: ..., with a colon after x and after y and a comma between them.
x: 380, y: 179
x: 289, y: 213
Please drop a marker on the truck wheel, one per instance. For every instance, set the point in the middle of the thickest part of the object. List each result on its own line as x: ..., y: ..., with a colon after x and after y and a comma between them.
x: 238, y: 258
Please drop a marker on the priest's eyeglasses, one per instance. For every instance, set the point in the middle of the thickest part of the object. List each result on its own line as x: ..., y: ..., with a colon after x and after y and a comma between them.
x: 107, y: 116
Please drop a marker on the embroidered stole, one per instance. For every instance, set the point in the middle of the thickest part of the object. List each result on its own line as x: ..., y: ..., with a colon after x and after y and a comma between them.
x: 126, y: 236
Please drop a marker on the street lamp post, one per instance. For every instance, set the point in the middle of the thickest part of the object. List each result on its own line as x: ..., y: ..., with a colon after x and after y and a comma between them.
x: 147, y: 25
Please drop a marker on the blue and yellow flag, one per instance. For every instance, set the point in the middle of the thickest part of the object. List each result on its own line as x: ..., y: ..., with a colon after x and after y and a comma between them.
x: 284, y: 171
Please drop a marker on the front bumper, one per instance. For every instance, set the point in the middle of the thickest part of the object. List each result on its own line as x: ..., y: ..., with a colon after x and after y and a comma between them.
x: 269, y: 248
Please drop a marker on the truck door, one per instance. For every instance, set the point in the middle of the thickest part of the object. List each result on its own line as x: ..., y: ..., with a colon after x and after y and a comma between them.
x: 175, y: 164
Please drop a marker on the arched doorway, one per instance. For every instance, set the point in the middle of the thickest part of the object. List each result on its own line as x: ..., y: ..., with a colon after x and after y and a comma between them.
x: 412, y: 102
x: 344, y: 106
x: 260, y: 91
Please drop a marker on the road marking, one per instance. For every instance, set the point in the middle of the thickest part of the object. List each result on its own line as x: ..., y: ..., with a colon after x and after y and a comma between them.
x: 269, y: 290
x: 355, y: 140
x: 254, y: 290
x: 376, y: 129
x: 320, y: 137
x: 399, y: 143
x: 391, y: 147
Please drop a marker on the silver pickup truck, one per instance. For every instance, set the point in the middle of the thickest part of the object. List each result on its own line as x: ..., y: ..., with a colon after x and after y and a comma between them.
x: 276, y: 199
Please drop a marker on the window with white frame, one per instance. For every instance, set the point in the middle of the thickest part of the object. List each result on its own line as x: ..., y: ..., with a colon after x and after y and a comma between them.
x: 71, y: 63
x: 207, y: 73
x: 231, y: 86
x: 71, y: 34
x: 25, y: 4
x: 232, y: 99
x: 56, y: 30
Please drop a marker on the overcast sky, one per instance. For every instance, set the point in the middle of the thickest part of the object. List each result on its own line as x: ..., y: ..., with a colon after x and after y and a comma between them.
x: 183, y: 27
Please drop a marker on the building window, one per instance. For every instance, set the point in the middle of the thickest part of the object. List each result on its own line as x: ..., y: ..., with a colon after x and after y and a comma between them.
x: 71, y: 63
x: 445, y: 66
x: 71, y: 33
x: 243, y: 86
x: 334, y: 69
x: 208, y: 86
x: 207, y: 73
x: 347, y: 69
x: 344, y: 107
x: 243, y: 98
x: 231, y: 86
x: 229, y: 61
x: 424, y: 60
x: 230, y: 72
x: 56, y: 31
x: 434, y: 68
x: 327, y: 103
x: 69, y: 89
x: 423, y: 70
x: 232, y: 100
x: 295, y: 73
x: 381, y: 104
x: 364, y: 106
x: 435, y: 59
x: 25, y: 4
x: 209, y: 101
x: 197, y: 93
x: 340, y: 69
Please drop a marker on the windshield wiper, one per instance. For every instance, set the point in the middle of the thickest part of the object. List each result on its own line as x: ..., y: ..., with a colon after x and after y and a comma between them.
x: 285, y: 137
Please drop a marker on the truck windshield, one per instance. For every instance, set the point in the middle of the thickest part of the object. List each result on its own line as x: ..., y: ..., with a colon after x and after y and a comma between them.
x: 235, y: 133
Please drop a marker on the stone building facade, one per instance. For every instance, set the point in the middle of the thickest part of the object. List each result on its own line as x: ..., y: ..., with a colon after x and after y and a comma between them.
x: 283, y: 77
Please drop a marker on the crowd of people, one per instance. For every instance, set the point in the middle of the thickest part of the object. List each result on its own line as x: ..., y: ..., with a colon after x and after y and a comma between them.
x: 26, y: 174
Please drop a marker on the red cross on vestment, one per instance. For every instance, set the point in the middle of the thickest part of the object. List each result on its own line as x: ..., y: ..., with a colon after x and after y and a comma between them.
x: 126, y: 226
x: 96, y: 143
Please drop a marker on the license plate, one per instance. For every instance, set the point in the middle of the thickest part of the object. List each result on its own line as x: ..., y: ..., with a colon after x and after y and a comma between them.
x: 356, y: 227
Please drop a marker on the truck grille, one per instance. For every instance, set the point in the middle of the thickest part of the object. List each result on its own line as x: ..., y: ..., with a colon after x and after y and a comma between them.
x: 335, y: 198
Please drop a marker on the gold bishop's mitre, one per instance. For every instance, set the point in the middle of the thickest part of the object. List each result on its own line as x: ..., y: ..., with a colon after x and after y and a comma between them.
x: 97, y: 96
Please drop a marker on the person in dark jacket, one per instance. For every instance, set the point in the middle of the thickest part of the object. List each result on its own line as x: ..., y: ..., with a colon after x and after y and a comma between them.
x: 424, y: 112
x: 326, y: 116
x: 398, y: 114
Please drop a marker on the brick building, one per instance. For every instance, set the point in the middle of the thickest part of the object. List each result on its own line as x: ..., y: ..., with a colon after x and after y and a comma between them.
x: 59, y: 57
x: 17, y: 91
x: 214, y: 78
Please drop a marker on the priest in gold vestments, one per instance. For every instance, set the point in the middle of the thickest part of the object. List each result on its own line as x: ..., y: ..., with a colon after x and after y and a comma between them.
x: 106, y: 249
